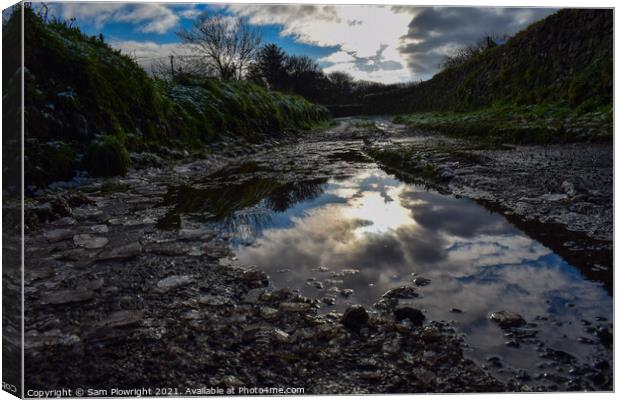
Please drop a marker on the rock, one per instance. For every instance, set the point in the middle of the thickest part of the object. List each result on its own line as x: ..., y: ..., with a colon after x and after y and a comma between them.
x: 196, y: 234
x: 355, y: 317
x: 124, y: 252
x: 68, y: 296
x: 456, y: 310
x: 212, y: 300
x: 294, y: 307
x: 57, y: 235
x: 413, y: 314
x: 171, y: 248
x: 123, y: 318
x: 89, y: 241
x: 268, y: 312
x: 99, y: 228
x: 346, y: 292
x: 316, y: 284
x: 421, y: 281
x: 255, y: 278
x: 507, y: 319
x: 330, y: 301
x: 173, y: 282
x: 605, y: 335
x: 569, y: 188
x: 446, y: 174
x: 403, y: 292
x: 45, y: 340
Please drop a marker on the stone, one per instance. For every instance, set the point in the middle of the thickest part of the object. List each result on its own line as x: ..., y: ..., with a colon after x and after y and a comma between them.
x: 507, y: 319
x: 412, y: 314
x: 330, y: 301
x: 99, y: 228
x: 346, y: 292
x: 171, y: 248
x: 268, y: 312
x: 212, y: 300
x: 173, y: 282
x: 68, y: 296
x: 89, y: 241
x: 354, y: 317
x: 121, y: 319
x: 57, y: 235
x: 421, y: 281
x: 294, y: 307
x: 196, y: 234
x: 255, y: 278
x: 403, y: 292
x: 123, y: 252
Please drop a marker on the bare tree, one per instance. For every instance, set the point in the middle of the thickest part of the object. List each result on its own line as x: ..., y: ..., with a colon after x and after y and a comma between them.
x: 230, y: 44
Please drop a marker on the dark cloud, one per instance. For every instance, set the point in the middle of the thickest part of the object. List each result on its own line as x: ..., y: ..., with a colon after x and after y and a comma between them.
x: 434, y: 31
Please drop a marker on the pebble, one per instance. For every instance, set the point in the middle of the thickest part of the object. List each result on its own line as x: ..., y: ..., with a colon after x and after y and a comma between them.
x: 89, y: 241
x: 173, y: 282
x: 354, y: 317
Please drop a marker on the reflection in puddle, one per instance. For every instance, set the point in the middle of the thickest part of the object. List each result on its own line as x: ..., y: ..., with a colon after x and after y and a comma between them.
x: 371, y: 233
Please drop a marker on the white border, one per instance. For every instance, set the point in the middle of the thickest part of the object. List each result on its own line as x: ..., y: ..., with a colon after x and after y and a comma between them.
x: 483, y: 3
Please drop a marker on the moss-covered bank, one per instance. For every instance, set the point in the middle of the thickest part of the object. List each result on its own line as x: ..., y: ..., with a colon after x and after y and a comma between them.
x: 83, y: 100
x: 540, y: 124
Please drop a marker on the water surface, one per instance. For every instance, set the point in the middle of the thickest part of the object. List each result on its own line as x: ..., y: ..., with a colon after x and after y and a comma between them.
x: 370, y: 232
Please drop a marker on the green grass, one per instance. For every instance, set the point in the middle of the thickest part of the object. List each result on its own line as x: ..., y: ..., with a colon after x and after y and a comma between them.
x: 544, y: 123
x: 82, y: 96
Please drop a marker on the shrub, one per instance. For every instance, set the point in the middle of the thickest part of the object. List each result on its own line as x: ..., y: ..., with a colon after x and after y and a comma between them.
x: 107, y: 157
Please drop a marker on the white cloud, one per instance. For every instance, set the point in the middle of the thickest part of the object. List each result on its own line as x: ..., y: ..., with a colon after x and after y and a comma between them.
x: 148, y: 17
x: 359, y: 31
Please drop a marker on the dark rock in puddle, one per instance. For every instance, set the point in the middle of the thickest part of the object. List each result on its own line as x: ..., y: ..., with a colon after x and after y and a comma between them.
x: 386, y: 304
x: 355, y: 317
x: 456, y: 310
x: 89, y: 241
x: 330, y: 301
x: 412, y: 314
x: 173, y: 282
x: 507, y: 319
x: 421, y: 281
x: 347, y: 292
x: 57, y: 235
x: 68, y: 296
x: 255, y: 278
x: 402, y: 292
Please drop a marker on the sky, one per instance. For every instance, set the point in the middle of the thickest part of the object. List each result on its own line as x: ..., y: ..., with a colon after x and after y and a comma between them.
x: 388, y: 44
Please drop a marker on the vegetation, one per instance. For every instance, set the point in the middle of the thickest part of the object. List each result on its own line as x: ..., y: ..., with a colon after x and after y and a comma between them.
x: 87, y: 104
x: 542, y: 123
x: 550, y: 62
x: 107, y: 157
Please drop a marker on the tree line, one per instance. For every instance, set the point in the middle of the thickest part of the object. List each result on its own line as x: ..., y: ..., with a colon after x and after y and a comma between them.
x: 230, y: 48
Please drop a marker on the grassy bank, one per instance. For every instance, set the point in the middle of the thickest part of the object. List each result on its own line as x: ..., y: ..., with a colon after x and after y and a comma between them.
x: 519, y: 124
x: 87, y: 106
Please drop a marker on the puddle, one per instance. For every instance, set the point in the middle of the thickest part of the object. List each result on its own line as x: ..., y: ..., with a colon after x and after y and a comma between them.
x: 371, y: 232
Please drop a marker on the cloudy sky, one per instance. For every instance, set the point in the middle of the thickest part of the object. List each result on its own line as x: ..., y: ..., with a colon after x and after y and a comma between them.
x: 379, y: 43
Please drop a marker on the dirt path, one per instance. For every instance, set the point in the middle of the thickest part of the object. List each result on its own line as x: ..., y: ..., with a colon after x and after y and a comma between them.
x: 116, y: 298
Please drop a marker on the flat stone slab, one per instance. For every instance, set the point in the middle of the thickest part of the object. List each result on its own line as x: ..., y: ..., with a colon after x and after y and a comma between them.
x: 89, y: 241
x: 68, y: 296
